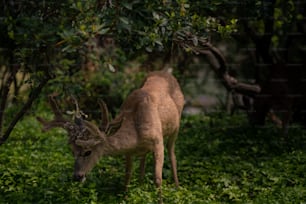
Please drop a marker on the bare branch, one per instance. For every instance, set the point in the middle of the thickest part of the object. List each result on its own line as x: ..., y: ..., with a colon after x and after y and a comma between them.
x: 4, y: 96
x: 35, y: 93
x: 217, y: 61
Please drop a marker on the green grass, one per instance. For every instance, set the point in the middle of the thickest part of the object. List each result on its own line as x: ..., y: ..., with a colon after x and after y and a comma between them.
x: 221, y: 159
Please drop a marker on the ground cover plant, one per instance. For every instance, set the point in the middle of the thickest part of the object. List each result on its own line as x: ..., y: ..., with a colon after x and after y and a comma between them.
x: 221, y: 159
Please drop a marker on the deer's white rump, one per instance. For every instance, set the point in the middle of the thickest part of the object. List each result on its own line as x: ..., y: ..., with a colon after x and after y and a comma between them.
x: 148, y: 119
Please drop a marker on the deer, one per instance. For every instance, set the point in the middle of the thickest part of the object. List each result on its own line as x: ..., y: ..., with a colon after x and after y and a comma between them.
x: 148, y: 119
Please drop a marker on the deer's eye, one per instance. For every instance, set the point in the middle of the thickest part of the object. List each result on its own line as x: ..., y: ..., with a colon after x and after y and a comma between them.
x: 87, y: 153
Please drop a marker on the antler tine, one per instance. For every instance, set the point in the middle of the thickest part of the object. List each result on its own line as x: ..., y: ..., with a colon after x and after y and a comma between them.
x: 104, y: 115
x: 55, y: 108
x: 58, y: 121
x: 78, y: 113
x: 77, y: 108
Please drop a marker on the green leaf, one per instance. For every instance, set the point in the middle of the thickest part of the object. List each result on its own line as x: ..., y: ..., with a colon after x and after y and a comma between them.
x: 124, y: 20
x: 195, y: 41
x: 103, y: 31
x: 128, y: 6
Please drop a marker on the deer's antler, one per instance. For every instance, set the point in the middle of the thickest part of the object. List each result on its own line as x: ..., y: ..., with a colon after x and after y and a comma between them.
x: 109, y: 127
x: 104, y: 115
x: 77, y: 113
x: 58, y: 121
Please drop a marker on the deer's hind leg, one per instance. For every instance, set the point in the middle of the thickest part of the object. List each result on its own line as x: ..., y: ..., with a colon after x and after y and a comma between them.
x: 128, y: 171
x: 171, y: 154
x: 159, y: 162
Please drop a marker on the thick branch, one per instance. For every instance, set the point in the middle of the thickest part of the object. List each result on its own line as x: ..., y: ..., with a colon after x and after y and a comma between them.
x: 34, y: 94
x: 4, y: 94
x: 263, y: 41
x: 201, y: 46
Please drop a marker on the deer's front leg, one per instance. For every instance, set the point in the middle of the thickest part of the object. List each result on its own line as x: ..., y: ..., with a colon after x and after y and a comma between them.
x: 128, y: 170
x: 142, y: 167
x: 159, y: 162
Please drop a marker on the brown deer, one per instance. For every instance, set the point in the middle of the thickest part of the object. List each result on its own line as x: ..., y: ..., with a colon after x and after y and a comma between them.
x: 148, y: 116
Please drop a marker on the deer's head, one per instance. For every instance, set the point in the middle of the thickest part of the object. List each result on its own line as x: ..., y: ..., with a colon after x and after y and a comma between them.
x: 84, y: 137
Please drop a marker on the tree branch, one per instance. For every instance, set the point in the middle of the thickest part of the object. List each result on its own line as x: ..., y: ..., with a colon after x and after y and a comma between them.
x: 4, y: 93
x: 34, y: 94
x: 201, y: 46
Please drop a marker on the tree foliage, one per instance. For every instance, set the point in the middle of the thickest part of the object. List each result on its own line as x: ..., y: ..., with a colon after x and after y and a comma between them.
x: 47, y: 42
x: 49, y: 46
x: 44, y: 40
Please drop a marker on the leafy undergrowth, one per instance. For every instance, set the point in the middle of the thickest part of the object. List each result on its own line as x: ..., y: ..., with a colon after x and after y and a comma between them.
x: 221, y: 159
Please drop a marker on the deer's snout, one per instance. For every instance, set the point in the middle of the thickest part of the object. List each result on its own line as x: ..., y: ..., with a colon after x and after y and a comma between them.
x: 79, y: 177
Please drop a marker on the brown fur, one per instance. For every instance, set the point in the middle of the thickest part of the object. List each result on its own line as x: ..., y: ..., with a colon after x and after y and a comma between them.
x: 148, y: 116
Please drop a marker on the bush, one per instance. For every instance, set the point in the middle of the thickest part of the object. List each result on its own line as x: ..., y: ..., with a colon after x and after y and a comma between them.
x: 220, y: 160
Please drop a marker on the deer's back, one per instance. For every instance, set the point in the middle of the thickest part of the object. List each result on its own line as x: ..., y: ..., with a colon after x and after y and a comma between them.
x: 162, y: 84
x: 156, y: 107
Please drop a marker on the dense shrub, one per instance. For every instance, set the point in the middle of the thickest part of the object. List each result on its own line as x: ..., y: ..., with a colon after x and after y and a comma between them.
x: 220, y: 160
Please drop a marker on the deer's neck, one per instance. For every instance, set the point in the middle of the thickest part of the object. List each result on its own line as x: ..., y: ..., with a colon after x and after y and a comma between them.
x: 122, y: 142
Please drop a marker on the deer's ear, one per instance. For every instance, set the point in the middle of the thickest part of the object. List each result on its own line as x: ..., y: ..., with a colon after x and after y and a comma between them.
x: 87, y: 143
x: 114, y: 125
